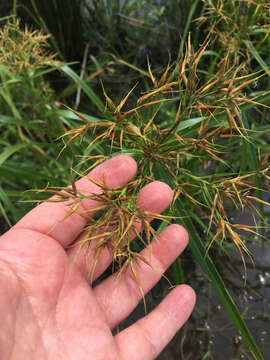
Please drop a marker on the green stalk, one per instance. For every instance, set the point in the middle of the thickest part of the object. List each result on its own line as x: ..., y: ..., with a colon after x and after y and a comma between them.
x: 14, y: 10
x: 187, y: 26
x: 178, y: 272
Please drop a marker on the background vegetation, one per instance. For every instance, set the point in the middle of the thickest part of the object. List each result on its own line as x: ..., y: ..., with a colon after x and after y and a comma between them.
x: 181, y: 86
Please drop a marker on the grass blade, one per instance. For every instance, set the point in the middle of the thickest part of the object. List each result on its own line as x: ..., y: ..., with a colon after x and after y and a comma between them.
x: 188, y: 123
x: 10, y: 150
x: 8, y: 206
x: 85, y: 87
x: 5, y: 119
x: 257, y: 56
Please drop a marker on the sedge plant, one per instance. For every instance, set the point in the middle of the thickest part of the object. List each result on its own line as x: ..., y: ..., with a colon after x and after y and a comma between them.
x: 184, y: 131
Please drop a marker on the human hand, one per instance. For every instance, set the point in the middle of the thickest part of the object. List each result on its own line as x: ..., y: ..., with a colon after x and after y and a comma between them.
x: 47, y: 308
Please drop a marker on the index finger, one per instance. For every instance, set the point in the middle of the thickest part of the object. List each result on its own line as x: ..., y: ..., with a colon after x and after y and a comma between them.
x: 115, y: 172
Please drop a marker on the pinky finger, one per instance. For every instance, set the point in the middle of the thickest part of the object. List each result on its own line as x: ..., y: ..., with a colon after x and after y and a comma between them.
x: 145, y: 339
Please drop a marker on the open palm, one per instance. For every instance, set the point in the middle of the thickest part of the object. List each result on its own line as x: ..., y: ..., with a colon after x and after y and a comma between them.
x: 48, y: 310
